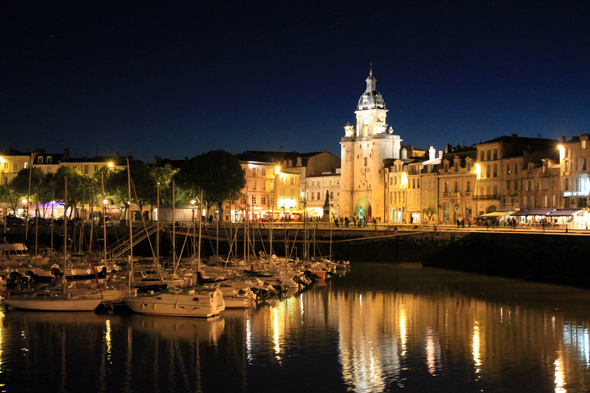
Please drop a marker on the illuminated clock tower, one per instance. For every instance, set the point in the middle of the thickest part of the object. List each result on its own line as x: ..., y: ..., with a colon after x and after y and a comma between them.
x: 362, y: 154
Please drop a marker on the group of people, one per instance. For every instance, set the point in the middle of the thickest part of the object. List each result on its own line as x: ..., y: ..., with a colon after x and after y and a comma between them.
x: 461, y: 221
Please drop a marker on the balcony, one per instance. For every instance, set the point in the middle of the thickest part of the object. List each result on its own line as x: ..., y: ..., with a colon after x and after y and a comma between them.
x: 487, y: 197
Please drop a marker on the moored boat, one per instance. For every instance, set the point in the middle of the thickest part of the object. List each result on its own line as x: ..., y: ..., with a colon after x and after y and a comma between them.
x: 178, y: 303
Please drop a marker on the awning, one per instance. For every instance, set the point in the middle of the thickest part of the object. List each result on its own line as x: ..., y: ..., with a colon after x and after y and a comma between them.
x: 564, y: 212
x: 535, y: 212
x: 495, y: 214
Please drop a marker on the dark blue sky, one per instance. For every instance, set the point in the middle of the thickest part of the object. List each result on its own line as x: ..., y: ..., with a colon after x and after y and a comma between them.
x: 179, y: 78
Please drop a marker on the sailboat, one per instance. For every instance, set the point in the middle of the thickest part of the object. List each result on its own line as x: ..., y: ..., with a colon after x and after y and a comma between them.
x: 53, y: 300
x: 178, y: 302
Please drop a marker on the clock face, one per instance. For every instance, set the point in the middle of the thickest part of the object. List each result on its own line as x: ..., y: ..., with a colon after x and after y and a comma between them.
x: 366, y: 121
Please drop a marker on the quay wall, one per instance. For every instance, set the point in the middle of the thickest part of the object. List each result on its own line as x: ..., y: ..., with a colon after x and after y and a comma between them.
x: 551, y: 258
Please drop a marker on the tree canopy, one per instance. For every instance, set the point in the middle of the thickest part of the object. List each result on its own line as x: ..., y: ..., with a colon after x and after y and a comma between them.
x: 218, y: 173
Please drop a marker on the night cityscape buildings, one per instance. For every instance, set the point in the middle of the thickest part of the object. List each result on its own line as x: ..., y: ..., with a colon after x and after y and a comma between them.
x: 378, y: 178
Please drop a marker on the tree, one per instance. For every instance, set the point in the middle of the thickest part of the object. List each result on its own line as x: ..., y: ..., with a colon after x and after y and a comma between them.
x: 18, y: 188
x: 429, y: 212
x: 218, y: 173
x: 76, y: 185
x: 143, y: 185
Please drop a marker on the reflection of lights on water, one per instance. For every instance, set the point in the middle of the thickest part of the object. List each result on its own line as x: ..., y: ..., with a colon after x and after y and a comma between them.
x: 275, y: 325
x: 476, y: 349
x: 559, y: 382
x: 501, y: 314
x: 361, y: 302
x: 431, y: 351
x: 402, y: 327
x: 249, y: 339
x: 108, y: 339
x: 301, y: 305
x: 577, y: 338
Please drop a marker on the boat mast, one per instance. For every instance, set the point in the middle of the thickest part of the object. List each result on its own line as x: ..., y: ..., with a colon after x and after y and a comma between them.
x: 63, y: 277
x: 130, y: 227
x: 173, y: 228
x: 200, y: 219
x: 158, y: 227
x: 104, y: 222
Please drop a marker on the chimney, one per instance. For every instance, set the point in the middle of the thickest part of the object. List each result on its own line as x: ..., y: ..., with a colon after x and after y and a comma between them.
x: 514, y: 139
x: 117, y: 156
x: 563, y: 139
x: 431, y: 153
x: 66, y: 155
x: 404, y: 153
x: 448, y: 148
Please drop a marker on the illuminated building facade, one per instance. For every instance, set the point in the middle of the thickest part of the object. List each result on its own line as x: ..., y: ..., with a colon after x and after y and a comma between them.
x: 363, y: 152
x: 575, y: 171
x: 504, y: 163
x: 456, y: 184
x: 316, y: 187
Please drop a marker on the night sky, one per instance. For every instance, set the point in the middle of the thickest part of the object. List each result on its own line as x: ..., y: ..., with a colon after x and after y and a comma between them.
x: 179, y: 78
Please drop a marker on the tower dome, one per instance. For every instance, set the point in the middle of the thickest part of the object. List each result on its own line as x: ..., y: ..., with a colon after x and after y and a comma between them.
x: 371, y: 98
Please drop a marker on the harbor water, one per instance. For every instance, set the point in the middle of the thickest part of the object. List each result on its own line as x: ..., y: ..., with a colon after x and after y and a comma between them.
x: 375, y: 328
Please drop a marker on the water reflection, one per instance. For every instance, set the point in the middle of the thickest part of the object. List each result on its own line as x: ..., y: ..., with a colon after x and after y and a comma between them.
x: 377, y: 329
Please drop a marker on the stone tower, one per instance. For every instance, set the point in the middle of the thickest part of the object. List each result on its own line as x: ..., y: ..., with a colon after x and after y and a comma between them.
x: 363, y: 153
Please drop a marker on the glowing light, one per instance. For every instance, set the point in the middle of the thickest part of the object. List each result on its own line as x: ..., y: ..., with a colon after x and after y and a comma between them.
x: 277, y: 170
x: 561, y: 152
x: 404, y: 180
x: 287, y: 203
x: 24, y: 200
x: 477, y: 170
x: 111, y: 164
x: 105, y: 201
x: 192, y: 201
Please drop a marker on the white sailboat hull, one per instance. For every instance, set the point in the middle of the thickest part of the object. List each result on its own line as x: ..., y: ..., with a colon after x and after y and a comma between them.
x: 36, y: 302
x: 198, y: 304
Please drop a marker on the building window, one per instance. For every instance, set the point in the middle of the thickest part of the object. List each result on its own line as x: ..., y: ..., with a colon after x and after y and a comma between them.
x: 292, y: 180
x: 446, y: 186
x: 312, y: 196
x: 85, y: 169
x: 456, y: 186
x: 40, y: 160
x: 243, y: 199
x: 583, y: 144
x: 254, y: 171
x: 553, y: 198
x: 488, y: 171
x: 319, y: 196
x: 545, y: 200
x: 495, y: 154
x: 515, y: 185
x: 331, y: 194
x: 516, y: 169
x: 507, y: 169
x: 508, y: 185
x: 263, y: 199
x: 292, y: 194
x: 583, y: 163
x: 49, y: 160
x: 489, y: 155
x: 272, y: 200
x: 482, y: 156
x: 253, y: 200
x: 365, y: 161
x: 567, y: 166
x: 468, y: 186
x: 525, y: 201
x: 263, y: 171
x: 566, y: 184
x: 254, y: 185
x: 495, y: 170
x: 318, y: 183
